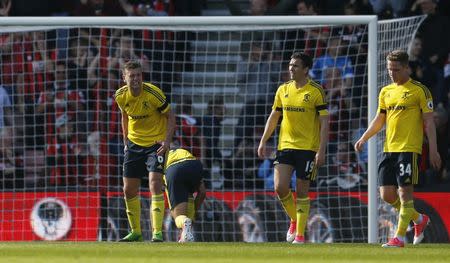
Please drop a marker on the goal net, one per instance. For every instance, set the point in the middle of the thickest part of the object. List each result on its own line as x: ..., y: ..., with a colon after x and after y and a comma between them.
x: 61, y: 149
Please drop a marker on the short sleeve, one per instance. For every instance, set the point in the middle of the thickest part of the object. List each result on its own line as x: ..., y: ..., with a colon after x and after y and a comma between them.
x: 158, y: 98
x: 277, y: 104
x: 321, y: 103
x: 118, y: 100
x: 381, y: 103
x: 425, y: 100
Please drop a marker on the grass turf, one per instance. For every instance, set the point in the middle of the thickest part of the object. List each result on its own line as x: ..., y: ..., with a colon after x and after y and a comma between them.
x: 216, y: 252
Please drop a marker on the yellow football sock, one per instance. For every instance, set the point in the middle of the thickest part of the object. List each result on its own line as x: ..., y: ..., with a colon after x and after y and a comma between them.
x: 133, y: 206
x: 191, y: 208
x: 303, y: 205
x: 396, y: 204
x: 179, y: 221
x: 289, y: 205
x: 406, y: 212
x: 157, y: 212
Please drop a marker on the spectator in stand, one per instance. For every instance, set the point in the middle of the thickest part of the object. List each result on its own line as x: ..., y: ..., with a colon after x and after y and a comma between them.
x: 7, y: 162
x: 333, y: 58
x: 60, y: 99
x: 187, y: 7
x: 315, y: 38
x: 12, y: 67
x: 436, y: 46
x: 447, y: 81
x: 30, y: 8
x: 39, y: 59
x: 380, y: 7
x: 346, y: 167
x: 416, y: 63
x: 245, y: 163
x: 188, y: 131
x: 100, y: 8
x: 442, y: 137
x: 65, y: 156
x: 339, y: 108
x: 59, y: 102
x: 263, y: 7
x: 126, y: 51
x: 5, y: 7
x: 82, y: 63
x: 258, y: 73
x: 211, y: 130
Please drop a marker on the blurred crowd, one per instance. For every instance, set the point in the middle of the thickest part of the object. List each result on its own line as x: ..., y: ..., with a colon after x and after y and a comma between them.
x: 59, y: 125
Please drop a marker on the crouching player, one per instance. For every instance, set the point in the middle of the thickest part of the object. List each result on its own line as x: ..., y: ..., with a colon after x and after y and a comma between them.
x: 183, y: 179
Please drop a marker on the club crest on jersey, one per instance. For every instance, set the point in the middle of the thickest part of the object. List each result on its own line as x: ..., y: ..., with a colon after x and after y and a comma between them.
x: 405, y: 95
x: 145, y: 104
x: 430, y: 104
x: 306, y: 97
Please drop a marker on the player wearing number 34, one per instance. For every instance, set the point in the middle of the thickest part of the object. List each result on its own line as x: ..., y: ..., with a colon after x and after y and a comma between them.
x: 147, y: 126
x: 405, y: 106
x: 302, y: 141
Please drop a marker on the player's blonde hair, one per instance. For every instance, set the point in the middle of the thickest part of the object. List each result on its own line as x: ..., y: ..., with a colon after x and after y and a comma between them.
x: 398, y: 56
x: 131, y: 64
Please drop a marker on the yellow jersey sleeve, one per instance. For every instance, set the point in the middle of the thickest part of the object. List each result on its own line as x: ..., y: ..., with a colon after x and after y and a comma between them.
x: 321, y: 104
x: 277, y: 105
x: 158, y: 100
x: 425, y: 100
x: 381, y: 103
x: 119, y: 98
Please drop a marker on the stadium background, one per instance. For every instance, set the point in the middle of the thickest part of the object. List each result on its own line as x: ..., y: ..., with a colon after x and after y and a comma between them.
x: 89, y: 184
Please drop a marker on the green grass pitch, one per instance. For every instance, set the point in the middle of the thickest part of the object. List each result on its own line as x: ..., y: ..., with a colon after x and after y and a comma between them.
x: 62, y: 252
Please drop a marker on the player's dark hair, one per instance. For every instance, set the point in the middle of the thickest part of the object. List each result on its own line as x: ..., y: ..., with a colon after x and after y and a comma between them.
x: 398, y: 56
x: 306, y: 59
x: 132, y: 64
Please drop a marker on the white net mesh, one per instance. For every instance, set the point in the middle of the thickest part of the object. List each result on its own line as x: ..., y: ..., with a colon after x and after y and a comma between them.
x: 61, y: 147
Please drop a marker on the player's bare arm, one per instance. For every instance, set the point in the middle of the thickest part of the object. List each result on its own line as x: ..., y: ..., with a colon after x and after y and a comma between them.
x: 165, y: 145
x: 200, y: 197
x: 125, y: 129
x: 271, y: 125
x: 430, y: 128
x: 320, y: 156
x: 375, y: 126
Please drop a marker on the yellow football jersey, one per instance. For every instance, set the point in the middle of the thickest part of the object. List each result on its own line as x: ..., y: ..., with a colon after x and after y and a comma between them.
x: 178, y: 155
x: 300, y: 126
x: 146, y: 124
x: 403, y: 106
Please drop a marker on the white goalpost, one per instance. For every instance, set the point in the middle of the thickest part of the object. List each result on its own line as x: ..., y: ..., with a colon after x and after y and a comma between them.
x: 61, y: 151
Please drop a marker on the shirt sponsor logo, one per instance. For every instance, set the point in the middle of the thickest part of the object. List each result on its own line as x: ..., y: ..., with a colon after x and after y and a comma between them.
x: 294, y: 109
x: 397, y: 107
x: 138, y: 117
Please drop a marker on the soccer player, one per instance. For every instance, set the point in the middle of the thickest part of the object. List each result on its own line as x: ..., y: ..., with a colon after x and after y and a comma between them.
x: 302, y: 140
x: 147, y: 126
x: 183, y: 178
x: 404, y: 106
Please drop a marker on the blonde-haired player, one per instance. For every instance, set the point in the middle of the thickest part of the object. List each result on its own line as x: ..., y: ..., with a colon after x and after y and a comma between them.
x: 147, y: 126
x: 404, y: 106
